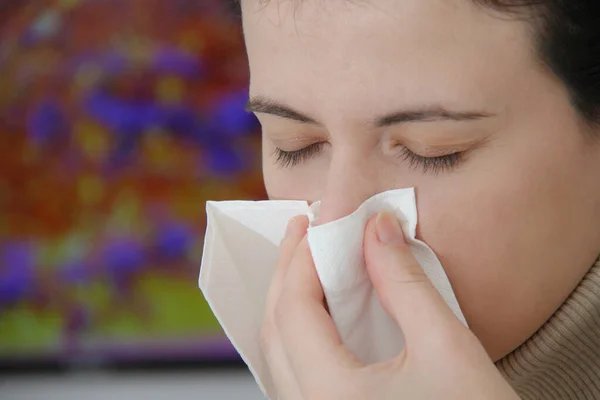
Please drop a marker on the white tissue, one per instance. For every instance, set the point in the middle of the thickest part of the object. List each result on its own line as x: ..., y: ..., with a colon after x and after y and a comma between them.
x: 240, y: 252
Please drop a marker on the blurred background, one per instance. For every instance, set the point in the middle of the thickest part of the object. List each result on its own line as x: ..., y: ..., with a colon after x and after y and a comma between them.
x: 118, y: 120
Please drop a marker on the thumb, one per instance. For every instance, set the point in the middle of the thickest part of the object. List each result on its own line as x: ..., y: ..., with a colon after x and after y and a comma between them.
x: 403, y: 288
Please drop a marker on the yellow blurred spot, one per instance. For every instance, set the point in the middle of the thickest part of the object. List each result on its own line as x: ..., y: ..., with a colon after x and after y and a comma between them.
x: 91, y: 190
x: 22, y: 331
x: 87, y: 223
x: 47, y: 253
x: 158, y: 151
x: 192, y: 42
x: 88, y: 76
x: 170, y: 89
x: 96, y: 296
x: 166, y: 297
x: 126, y: 213
x: 186, y: 205
x: 138, y: 50
x: 30, y: 154
x: 59, y: 250
x: 93, y: 140
x: 67, y: 4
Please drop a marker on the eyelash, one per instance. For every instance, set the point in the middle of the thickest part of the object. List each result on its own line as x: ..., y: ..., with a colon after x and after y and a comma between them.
x: 293, y: 158
x: 433, y: 165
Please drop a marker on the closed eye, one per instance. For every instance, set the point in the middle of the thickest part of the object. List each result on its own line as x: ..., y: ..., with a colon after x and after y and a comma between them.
x: 429, y: 165
x: 432, y: 165
x: 292, y: 158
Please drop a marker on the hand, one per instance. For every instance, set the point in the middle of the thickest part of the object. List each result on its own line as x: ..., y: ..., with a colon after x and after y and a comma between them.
x: 307, y: 359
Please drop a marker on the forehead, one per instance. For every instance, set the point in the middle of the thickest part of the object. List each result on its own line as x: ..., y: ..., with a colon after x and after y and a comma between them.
x: 365, y: 54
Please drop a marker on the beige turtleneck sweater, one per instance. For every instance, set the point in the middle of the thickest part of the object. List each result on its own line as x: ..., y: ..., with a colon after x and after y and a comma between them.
x: 562, y: 360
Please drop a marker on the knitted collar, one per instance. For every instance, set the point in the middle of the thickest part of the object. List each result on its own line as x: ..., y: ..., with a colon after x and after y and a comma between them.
x: 562, y: 359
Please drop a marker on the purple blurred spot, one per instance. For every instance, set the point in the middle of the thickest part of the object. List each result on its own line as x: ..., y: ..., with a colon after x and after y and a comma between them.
x: 122, y: 116
x: 76, y: 272
x: 126, y: 146
x: 207, y: 134
x: 174, y: 240
x: 181, y: 120
x: 231, y: 117
x: 123, y: 258
x: 16, y: 273
x: 171, y: 60
x: 46, y: 122
x: 224, y: 160
x: 78, y: 318
x: 110, y: 62
x: 28, y: 38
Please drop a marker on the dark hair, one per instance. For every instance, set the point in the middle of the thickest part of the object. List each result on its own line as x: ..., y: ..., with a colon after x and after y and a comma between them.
x: 567, y: 35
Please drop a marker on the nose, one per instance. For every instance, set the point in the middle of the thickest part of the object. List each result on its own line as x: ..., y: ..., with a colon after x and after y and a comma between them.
x: 350, y: 181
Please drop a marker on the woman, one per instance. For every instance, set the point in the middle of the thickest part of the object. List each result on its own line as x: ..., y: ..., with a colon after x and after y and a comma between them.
x: 491, y: 110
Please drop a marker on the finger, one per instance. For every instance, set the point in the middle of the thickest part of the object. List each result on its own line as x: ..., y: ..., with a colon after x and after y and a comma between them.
x: 281, y: 372
x: 403, y: 288
x: 296, y: 229
x: 308, y: 334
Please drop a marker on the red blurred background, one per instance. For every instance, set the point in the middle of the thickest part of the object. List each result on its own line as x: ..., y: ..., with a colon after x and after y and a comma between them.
x: 118, y: 120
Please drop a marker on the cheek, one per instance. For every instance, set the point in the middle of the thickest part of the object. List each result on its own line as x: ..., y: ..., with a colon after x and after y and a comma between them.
x: 479, y: 237
x: 468, y: 230
x: 500, y: 234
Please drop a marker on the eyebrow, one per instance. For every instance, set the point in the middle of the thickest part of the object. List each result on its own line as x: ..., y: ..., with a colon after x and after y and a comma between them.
x: 423, y: 114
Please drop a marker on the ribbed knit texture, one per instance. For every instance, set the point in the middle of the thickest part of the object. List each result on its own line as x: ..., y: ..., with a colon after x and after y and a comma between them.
x: 562, y: 360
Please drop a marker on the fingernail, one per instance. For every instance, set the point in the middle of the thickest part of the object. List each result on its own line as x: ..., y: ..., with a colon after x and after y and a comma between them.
x: 388, y: 229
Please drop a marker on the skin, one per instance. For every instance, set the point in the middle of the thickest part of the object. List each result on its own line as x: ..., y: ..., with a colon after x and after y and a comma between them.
x: 436, y: 343
x: 514, y: 223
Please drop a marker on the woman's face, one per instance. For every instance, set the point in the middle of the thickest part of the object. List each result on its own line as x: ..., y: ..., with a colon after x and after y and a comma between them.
x: 356, y: 98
